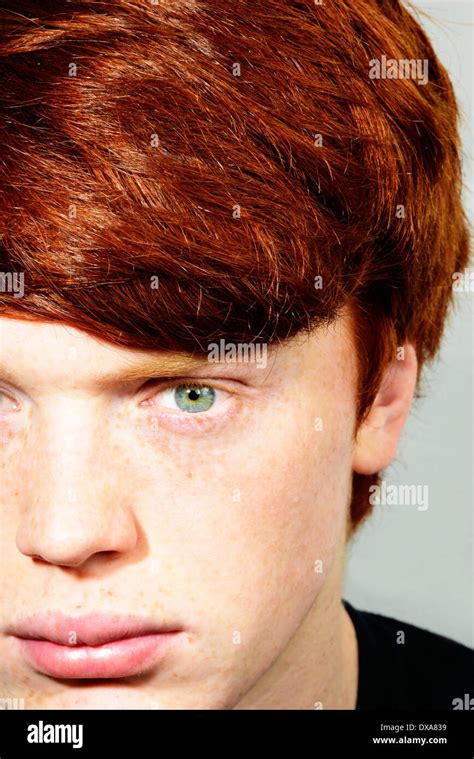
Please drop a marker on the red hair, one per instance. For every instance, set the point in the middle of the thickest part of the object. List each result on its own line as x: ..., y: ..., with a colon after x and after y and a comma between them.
x: 236, y: 150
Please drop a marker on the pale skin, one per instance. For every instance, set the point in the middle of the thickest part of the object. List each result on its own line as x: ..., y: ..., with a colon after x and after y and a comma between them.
x: 230, y: 522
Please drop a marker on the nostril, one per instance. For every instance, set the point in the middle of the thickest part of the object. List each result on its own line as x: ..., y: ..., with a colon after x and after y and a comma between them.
x: 38, y: 559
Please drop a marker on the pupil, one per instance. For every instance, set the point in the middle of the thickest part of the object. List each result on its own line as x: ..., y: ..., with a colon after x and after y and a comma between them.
x: 194, y: 395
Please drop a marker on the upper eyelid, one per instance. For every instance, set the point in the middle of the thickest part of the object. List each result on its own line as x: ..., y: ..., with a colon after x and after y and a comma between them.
x: 163, y: 386
x: 153, y: 385
x: 6, y: 391
x: 164, y: 383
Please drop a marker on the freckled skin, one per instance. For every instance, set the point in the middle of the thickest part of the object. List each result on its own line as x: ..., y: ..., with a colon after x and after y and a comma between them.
x: 128, y: 517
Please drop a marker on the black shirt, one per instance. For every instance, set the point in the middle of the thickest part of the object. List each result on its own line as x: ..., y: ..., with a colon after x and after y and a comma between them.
x: 405, y: 667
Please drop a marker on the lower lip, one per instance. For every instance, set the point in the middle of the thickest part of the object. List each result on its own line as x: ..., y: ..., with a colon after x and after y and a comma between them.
x: 119, y: 658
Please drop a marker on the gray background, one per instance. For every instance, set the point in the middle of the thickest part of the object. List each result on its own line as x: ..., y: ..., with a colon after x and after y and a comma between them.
x: 418, y: 565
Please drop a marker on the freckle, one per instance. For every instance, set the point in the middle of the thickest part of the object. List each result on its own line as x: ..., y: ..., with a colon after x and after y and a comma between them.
x: 189, y: 475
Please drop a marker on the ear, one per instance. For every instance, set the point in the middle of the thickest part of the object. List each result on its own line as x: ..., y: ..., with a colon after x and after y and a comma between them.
x: 378, y: 436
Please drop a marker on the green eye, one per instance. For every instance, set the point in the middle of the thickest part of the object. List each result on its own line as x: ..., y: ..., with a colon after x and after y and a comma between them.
x: 194, y: 398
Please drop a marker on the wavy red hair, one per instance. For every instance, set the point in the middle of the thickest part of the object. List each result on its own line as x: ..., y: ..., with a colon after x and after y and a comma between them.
x: 236, y: 150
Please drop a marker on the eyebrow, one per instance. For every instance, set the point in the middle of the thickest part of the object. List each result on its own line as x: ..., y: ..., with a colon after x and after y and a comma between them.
x: 161, y: 366
x: 157, y: 366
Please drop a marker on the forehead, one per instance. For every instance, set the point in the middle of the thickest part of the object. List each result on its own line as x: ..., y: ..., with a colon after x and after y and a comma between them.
x: 65, y: 351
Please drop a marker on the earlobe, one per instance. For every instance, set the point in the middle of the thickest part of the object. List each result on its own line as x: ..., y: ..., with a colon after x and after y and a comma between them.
x: 377, y: 438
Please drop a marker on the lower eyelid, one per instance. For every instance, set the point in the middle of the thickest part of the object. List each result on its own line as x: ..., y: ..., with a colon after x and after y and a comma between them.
x: 176, y: 420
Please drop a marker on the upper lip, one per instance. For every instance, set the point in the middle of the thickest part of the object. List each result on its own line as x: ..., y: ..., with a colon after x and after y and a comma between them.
x: 92, y: 629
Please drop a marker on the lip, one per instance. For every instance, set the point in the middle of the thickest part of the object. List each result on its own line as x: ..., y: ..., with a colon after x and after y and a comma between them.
x: 93, y: 646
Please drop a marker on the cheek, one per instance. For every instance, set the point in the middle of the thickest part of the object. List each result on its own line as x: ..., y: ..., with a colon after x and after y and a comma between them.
x: 294, y: 489
x: 249, y: 520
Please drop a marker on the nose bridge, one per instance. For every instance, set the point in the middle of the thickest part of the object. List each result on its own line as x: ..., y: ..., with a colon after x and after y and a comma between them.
x: 72, y: 509
x: 70, y: 436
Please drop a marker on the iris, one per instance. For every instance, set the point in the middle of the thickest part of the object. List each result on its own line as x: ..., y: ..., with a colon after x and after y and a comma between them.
x: 194, y: 398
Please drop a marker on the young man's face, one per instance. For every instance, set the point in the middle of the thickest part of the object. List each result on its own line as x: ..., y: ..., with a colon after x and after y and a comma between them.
x: 224, y: 522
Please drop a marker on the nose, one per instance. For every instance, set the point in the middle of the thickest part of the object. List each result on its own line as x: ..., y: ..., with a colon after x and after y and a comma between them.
x: 74, y: 503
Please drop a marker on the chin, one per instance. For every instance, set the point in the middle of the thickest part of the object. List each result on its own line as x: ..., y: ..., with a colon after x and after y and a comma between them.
x: 96, y: 697
x: 99, y: 695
